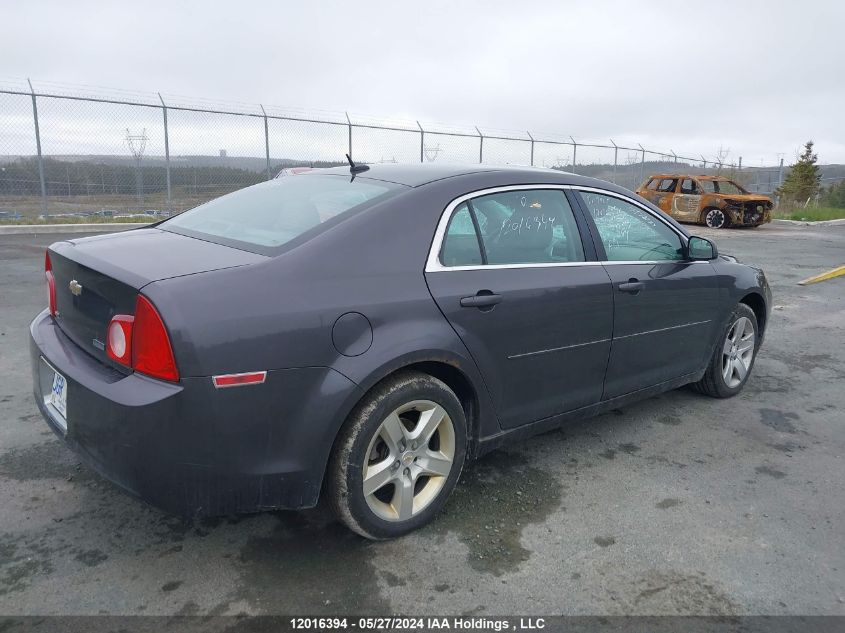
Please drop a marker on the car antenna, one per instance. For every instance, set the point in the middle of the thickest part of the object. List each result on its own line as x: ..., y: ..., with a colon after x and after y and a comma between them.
x: 356, y: 169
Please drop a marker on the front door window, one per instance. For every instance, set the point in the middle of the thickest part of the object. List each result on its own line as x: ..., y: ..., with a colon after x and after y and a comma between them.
x: 629, y: 233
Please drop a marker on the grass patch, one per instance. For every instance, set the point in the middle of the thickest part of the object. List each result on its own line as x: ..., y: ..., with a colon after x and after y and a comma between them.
x: 812, y: 214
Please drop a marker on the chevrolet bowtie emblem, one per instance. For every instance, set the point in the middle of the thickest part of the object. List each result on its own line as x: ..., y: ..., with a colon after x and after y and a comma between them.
x: 75, y: 288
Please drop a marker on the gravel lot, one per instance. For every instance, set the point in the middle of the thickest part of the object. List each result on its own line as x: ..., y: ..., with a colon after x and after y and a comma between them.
x: 680, y: 504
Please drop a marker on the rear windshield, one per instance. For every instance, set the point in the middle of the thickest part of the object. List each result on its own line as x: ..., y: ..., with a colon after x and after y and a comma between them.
x: 266, y: 217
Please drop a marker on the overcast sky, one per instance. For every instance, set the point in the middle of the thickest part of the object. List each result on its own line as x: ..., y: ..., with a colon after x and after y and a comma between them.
x: 759, y: 78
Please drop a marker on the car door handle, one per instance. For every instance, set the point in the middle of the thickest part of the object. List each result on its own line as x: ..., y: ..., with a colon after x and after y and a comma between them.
x: 632, y: 286
x: 486, y: 300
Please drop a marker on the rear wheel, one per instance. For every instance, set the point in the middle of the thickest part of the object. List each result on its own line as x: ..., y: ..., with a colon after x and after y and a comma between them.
x: 733, y: 357
x: 716, y: 218
x: 398, y: 456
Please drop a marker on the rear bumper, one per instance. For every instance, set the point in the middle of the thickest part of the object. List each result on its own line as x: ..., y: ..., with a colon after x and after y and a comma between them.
x: 187, y: 447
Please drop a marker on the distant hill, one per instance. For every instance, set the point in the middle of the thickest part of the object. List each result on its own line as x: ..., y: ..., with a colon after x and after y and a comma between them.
x: 73, y: 175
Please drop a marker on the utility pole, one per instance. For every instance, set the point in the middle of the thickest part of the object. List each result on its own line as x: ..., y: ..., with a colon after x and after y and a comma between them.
x: 137, y: 143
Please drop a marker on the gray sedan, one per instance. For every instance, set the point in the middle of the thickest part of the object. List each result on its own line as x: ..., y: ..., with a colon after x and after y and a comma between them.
x: 363, y: 332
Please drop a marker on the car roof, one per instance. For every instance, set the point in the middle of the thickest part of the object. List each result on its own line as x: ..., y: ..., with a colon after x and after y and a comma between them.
x: 699, y: 177
x: 415, y: 175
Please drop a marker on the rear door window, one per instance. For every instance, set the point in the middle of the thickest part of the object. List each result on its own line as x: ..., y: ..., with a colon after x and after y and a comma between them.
x: 532, y: 226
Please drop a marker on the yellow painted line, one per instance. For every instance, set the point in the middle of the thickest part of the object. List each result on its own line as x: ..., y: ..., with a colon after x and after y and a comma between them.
x: 830, y: 274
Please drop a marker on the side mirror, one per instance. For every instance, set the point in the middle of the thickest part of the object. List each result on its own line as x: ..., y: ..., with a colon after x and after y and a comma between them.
x: 700, y: 248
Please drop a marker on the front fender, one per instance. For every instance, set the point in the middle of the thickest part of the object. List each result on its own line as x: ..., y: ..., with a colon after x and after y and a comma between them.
x: 742, y: 283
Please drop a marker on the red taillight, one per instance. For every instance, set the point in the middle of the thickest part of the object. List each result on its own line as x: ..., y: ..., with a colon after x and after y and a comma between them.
x: 51, y: 283
x: 119, y: 339
x: 151, y: 350
x: 141, y: 342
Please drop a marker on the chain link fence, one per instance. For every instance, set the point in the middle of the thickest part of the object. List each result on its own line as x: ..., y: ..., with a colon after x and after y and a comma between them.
x: 65, y: 151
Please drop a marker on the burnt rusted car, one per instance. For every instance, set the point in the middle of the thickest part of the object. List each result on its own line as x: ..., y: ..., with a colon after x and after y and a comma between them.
x: 714, y: 201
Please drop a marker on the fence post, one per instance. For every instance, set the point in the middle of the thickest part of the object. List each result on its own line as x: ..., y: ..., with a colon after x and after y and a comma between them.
x: 675, y: 155
x: 615, y: 159
x: 532, y: 146
x: 703, y: 160
x: 740, y: 164
x: 642, y: 163
x: 349, y: 127
x: 422, y: 141
x: 38, y: 149
x: 266, y: 140
x: 574, y: 153
x: 480, y: 145
x: 166, y: 152
x: 780, y: 171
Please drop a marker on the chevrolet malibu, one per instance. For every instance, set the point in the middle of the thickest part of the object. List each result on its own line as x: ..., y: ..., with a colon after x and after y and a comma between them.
x: 362, y: 333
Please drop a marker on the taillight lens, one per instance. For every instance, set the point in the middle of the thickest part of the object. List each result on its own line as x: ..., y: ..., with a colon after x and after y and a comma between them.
x: 51, y: 283
x: 119, y: 339
x: 152, y: 353
x: 141, y: 342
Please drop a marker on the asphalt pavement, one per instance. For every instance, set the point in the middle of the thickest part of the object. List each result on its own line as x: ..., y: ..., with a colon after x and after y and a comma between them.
x: 680, y: 504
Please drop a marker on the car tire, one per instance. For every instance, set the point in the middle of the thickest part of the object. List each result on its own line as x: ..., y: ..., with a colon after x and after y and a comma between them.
x: 715, y: 218
x: 733, y: 357
x: 406, y: 441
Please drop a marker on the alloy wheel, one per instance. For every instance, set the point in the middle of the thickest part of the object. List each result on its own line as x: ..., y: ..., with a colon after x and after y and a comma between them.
x: 738, y: 352
x: 408, y: 460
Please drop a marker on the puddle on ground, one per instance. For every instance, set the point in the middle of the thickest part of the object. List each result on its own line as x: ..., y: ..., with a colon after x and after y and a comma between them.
x: 496, y: 498
x: 50, y: 460
x: 779, y: 420
x: 309, y: 564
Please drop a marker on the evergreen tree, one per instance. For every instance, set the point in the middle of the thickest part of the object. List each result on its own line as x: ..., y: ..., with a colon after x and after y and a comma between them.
x: 803, y: 180
x: 835, y: 196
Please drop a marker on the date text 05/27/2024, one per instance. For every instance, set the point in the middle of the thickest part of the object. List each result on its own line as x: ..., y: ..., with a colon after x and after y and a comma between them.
x: 417, y: 624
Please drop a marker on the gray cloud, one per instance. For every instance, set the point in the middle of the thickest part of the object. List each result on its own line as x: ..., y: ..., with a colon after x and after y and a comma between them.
x: 757, y: 77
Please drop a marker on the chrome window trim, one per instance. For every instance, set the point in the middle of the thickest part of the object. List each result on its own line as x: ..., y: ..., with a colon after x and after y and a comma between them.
x: 433, y: 264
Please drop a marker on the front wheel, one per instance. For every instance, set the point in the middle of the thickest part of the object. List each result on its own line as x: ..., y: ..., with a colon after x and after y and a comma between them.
x: 398, y: 456
x: 716, y: 219
x: 733, y: 357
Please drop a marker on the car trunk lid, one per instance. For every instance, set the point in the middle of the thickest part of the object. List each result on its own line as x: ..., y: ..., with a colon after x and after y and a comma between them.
x: 99, y: 277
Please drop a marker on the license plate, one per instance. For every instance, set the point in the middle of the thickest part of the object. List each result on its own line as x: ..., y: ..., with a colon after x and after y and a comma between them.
x: 58, y: 396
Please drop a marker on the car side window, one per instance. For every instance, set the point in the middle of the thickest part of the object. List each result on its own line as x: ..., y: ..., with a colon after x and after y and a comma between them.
x: 667, y: 185
x: 688, y: 186
x: 532, y: 226
x: 460, y: 244
x: 652, y: 184
x: 629, y: 233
